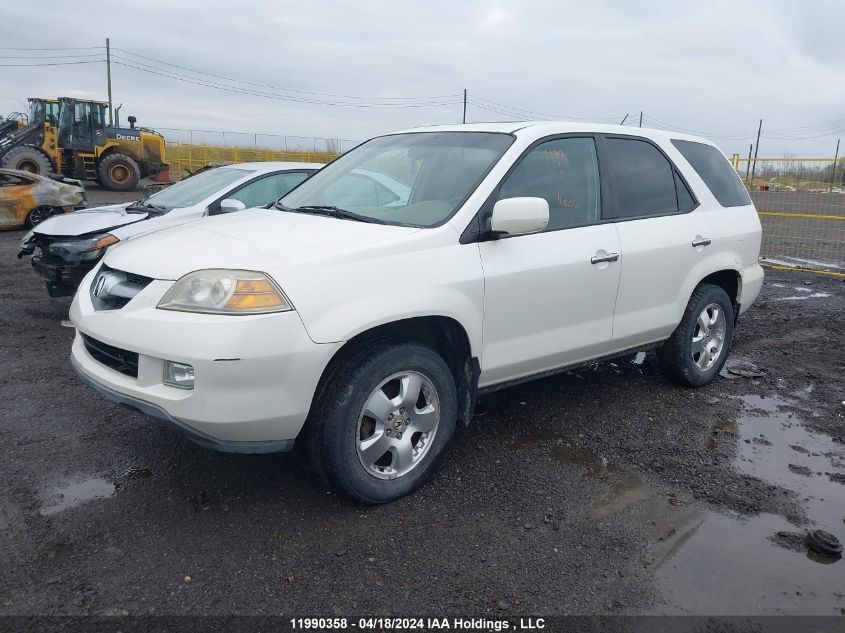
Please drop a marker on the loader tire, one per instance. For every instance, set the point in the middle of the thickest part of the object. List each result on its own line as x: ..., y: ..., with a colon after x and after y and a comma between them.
x: 28, y: 158
x: 118, y: 172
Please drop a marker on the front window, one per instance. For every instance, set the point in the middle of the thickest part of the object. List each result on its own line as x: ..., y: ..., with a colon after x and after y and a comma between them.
x: 196, y: 188
x: 565, y: 173
x: 416, y: 179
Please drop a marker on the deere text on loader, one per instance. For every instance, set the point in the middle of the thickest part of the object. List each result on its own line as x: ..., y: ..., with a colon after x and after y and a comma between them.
x: 71, y: 137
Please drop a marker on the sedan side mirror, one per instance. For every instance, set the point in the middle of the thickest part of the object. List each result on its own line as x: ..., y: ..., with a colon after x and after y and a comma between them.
x: 518, y: 216
x: 230, y: 205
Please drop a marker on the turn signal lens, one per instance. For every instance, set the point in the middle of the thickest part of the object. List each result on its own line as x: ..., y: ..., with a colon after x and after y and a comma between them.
x: 103, y: 242
x: 255, y: 293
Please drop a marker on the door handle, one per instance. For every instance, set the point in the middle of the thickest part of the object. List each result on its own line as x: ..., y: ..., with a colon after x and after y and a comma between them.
x: 600, y: 259
x: 701, y: 241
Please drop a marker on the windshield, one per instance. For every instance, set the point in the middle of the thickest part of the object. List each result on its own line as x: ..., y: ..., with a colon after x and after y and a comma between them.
x: 416, y: 179
x: 196, y: 188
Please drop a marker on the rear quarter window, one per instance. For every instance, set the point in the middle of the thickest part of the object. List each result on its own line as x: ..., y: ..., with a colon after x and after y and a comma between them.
x: 715, y: 171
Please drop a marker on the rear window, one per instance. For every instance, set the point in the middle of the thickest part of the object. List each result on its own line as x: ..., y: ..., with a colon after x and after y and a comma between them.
x: 716, y: 173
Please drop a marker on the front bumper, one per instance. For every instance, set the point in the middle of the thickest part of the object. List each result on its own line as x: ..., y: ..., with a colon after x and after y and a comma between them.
x: 62, y: 279
x: 255, y: 376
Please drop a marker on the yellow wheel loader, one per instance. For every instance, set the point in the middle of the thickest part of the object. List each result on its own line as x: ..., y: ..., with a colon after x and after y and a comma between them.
x: 72, y: 137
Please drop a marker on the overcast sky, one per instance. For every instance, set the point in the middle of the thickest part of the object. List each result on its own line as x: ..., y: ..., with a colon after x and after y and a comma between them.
x: 711, y: 67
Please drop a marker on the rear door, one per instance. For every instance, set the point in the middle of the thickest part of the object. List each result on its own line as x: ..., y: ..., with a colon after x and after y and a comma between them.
x: 662, y: 233
x: 549, y: 297
x: 734, y: 223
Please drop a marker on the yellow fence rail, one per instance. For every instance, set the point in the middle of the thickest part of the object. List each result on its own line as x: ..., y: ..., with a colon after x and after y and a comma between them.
x: 185, y: 158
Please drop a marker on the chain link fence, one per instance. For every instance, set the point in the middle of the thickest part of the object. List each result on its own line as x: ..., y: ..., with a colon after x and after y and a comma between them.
x: 189, y: 150
x: 801, y: 202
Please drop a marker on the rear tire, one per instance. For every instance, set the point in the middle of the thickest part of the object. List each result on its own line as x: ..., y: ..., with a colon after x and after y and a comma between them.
x: 28, y: 158
x: 698, y: 348
x: 118, y: 172
x: 370, y: 437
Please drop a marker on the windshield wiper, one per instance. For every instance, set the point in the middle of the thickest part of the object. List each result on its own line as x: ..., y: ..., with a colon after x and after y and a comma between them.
x: 142, y: 206
x: 330, y: 211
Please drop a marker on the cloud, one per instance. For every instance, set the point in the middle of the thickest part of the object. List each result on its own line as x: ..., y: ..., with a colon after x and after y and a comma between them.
x: 713, y: 67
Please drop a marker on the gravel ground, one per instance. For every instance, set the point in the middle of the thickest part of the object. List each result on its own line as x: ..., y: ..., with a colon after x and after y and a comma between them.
x: 606, y: 490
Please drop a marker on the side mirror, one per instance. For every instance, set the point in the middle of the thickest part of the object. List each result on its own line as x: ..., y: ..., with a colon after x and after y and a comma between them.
x: 518, y: 216
x: 230, y: 205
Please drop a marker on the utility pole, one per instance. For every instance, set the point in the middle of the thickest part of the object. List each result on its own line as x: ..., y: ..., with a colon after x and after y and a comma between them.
x: 622, y: 122
x: 108, y: 77
x: 748, y: 164
x: 833, y: 175
x: 465, y: 105
x: 756, y: 149
x: 641, y: 118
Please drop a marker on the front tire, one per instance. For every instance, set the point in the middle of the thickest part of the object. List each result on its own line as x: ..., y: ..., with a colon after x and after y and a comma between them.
x: 118, y: 172
x: 383, y: 420
x: 699, y: 346
x: 39, y: 214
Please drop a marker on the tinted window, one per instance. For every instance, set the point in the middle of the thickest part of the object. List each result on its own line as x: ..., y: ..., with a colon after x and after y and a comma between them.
x: 716, y: 173
x: 685, y: 200
x: 643, y: 180
x: 565, y: 173
x: 265, y: 190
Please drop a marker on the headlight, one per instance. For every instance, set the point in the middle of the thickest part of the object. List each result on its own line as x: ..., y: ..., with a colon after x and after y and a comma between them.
x: 225, y: 292
x: 79, y: 250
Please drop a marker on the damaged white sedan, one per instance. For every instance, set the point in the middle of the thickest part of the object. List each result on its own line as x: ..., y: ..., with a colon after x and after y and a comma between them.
x: 64, y: 249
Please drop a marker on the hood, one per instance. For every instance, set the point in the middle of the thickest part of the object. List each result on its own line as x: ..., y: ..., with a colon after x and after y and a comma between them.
x: 86, y: 221
x: 245, y: 240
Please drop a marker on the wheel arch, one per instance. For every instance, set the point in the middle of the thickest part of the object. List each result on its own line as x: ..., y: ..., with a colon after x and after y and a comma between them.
x: 445, y: 335
x: 728, y: 279
x: 719, y: 269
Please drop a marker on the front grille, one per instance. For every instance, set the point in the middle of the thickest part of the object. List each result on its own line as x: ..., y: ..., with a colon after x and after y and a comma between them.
x: 120, y: 360
x: 112, y: 289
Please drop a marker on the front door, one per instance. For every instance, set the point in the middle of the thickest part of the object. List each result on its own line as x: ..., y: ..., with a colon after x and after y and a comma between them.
x: 549, y: 297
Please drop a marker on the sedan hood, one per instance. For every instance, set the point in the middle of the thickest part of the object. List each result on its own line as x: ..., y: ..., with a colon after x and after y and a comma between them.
x: 245, y: 240
x: 86, y: 221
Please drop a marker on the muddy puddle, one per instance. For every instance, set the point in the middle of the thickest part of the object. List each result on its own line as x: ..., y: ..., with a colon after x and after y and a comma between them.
x: 74, y: 493
x: 710, y: 563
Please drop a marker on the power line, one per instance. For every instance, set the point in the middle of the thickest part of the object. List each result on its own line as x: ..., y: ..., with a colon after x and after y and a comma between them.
x: 253, y: 93
x: 93, y: 61
x: 49, y: 56
x: 60, y: 48
x: 271, y: 87
x: 521, y: 112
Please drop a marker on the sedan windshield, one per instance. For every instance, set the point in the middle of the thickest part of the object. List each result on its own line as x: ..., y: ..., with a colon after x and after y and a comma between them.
x: 196, y: 188
x: 415, y: 179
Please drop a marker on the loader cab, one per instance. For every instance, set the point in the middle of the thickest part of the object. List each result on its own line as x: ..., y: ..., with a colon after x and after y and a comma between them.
x: 82, y: 124
x: 46, y: 110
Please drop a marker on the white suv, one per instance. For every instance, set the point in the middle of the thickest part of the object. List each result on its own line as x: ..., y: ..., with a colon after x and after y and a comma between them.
x: 368, y: 320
